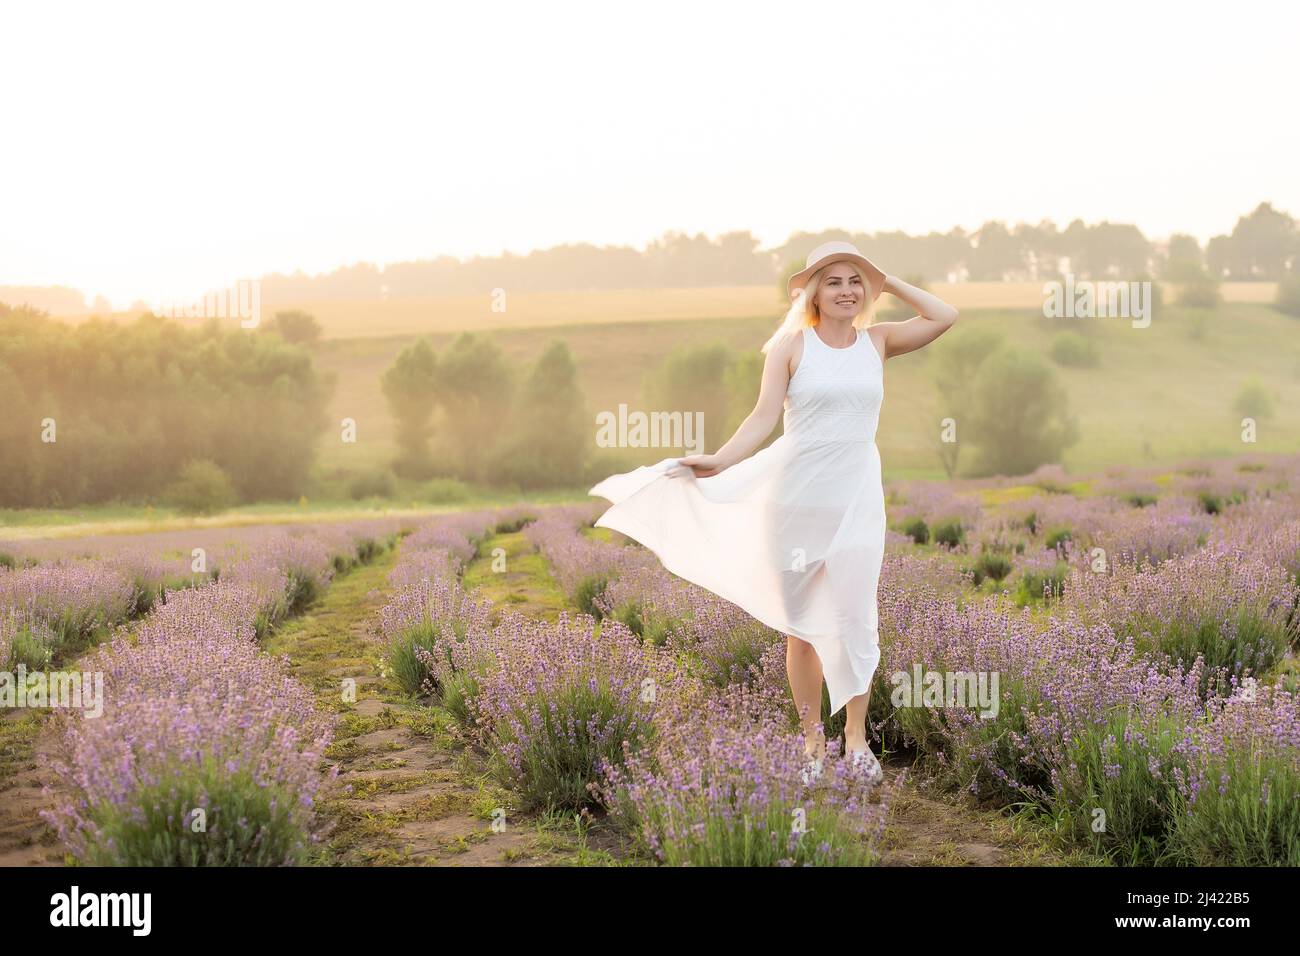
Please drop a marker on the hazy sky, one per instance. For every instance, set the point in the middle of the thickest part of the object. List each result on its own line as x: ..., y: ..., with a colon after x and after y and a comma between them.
x: 154, y: 150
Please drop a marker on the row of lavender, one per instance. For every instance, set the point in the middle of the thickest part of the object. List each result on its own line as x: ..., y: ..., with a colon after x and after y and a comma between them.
x: 206, y: 751
x: 578, y: 713
x: 1024, y: 535
x: 58, y: 597
x: 1148, y: 706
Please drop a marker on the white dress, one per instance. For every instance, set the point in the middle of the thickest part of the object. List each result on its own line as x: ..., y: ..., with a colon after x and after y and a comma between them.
x: 794, y: 534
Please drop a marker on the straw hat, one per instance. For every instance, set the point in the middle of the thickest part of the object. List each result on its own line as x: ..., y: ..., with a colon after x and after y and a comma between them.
x: 837, y: 251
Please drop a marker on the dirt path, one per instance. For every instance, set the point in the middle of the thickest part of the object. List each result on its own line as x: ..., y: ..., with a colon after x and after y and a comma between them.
x: 522, y: 581
x: 930, y: 827
x: 25, y: 840
x: 409, y: 790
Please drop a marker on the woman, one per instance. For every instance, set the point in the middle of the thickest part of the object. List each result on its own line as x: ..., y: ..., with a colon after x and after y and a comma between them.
x: 795, y: 534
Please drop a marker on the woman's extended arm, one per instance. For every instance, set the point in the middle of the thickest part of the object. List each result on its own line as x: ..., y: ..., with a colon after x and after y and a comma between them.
x: 936, y: 317
x: 759, y: 423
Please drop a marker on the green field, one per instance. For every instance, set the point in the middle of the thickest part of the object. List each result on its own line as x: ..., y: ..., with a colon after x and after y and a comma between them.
x: 1160, y: 394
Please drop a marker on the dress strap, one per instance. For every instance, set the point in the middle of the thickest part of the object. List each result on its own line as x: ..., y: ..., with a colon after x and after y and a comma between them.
x: 808, y: 347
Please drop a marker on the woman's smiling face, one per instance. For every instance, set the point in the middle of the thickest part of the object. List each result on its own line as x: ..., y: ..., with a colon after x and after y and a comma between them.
x: 841, y: 292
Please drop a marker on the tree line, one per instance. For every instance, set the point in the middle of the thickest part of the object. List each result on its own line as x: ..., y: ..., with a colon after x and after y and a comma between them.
x: 1264, y: 245
x: 106, y: 411
x: 462, y: 414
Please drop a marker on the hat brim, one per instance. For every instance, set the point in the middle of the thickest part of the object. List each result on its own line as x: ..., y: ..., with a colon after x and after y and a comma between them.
x: 875, y: 275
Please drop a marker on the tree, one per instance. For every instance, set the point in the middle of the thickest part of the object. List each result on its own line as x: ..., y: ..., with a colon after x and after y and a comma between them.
x: 300, y: 328
x: 693, y: 379
x: 550, y: 434
x: 1199, y: 290
x: 997, y: 254
x: 1185, y: 259
x: 1020, y: 418
x: 958, y: 361
x: 742, y: 381
x: 1260, y: 246
x: 474, y: 387
x: 19, y: 442
x: 1106, y: 250
x: 131, y: 403
x: 411, y: 389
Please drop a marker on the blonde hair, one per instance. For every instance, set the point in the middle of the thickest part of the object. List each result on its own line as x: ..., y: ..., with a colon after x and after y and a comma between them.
x: 803, y: 313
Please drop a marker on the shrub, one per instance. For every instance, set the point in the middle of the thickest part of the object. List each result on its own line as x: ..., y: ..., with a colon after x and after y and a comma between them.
x: 1200, y: 292
x: 950, y: 533
x: 917, y: 530
x: 300, y: 328
x: 1123, y: 767
x: 722, y: 786
x: 1037, y: 583
x: 196, y: 716
x: 422, y: 625
x: 246, y: 822
x: 990, y: 564
x: 1254, y: 400
x: 731, y: 656
x: 368, y: 549
x: 589, y: 590
x: 1072, y: 350
x: 203, y: 487
x: 444, y: 491
x: 25, y: 640
x: 1058, y: 537
x: 511, y: 525
x: 566, y: 700
x: 375, y: 484
x: 1287, y: 300
x: 1243, y: 790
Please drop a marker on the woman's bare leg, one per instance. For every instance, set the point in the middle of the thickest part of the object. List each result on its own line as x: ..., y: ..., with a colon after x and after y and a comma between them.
x: 855, y: 722
x: 805, y: 670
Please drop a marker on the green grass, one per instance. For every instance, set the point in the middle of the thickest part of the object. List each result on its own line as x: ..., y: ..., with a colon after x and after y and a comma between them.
x: 1158, y: 388
x: 140, y: 519
x: 18, y: 733
x: 524, y: 583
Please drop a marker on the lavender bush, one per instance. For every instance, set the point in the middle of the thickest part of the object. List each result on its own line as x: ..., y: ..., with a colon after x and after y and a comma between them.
x: 196, y: 718
x: 722, y: 785
x: 564, y: 699
x: 1230, y: 607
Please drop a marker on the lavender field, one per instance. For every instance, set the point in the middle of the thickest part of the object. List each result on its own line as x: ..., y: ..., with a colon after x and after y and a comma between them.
x: 1141, y: 626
